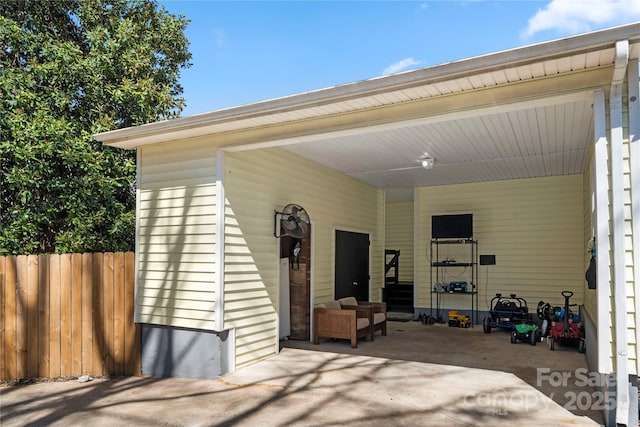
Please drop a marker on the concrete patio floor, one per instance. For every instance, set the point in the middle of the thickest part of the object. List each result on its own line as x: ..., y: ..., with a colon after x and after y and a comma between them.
x: 331, y: 384
x: 537, y: 366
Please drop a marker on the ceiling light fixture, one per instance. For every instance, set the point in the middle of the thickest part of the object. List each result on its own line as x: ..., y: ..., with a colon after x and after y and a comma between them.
x: 426, y: 161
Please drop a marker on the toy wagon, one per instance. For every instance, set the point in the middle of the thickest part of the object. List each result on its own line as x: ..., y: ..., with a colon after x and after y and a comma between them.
x: 566, y: 326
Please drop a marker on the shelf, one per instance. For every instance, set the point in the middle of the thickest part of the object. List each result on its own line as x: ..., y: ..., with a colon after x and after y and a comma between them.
x: 467, y: 251
x: 452, y: 264
x: 454, y: 293
x: 453, y: 241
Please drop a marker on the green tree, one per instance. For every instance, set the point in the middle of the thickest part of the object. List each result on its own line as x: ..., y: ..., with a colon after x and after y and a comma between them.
x: 70, y: 69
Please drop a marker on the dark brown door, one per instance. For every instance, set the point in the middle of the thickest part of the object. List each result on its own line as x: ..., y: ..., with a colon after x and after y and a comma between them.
x: 352, y: 265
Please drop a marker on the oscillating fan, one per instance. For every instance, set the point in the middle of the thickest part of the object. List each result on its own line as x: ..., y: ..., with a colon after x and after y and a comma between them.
x: 293, y: 221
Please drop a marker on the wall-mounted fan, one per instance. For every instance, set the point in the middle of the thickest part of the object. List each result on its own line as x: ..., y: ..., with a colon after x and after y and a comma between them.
x: 292, y: 221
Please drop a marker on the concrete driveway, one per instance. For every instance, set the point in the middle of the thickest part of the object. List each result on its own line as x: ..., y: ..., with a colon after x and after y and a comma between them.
x: 314, y: 387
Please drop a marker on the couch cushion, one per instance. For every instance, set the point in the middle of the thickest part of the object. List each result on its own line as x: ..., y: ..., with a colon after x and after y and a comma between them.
x: 378, y: 318
x: 348, y: 301
x: 361, y: 322
x: 334, y: 305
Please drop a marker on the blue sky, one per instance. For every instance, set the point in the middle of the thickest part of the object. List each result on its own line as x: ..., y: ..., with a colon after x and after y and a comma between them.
x: 246, y: 52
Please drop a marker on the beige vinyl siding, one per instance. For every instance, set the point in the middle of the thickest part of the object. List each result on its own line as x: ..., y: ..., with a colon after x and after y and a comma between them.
x: 590, y: 295
x: 259, y: 182
x: 399, y: 236
x: 176, y: 240
x: 631, y: 315
x: 534, y: 227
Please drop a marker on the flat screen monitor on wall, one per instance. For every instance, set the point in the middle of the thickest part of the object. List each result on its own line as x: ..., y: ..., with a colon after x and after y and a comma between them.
x: 452, y: 226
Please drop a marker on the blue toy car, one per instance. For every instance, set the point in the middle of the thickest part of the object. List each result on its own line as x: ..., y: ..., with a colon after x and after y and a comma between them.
x: 506, y: 312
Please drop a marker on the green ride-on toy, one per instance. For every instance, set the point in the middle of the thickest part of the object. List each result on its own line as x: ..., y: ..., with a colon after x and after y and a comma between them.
x: 526, y: 332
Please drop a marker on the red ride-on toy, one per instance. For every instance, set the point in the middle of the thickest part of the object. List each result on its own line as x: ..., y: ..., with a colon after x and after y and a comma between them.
x: 566, y: 327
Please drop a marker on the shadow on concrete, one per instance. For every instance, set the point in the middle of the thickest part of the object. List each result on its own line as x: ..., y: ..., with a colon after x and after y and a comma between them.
x: 323, y: 387
x: 472, y: 348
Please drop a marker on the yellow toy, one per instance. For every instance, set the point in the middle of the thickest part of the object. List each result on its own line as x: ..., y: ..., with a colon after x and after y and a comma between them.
x: 458, y: 320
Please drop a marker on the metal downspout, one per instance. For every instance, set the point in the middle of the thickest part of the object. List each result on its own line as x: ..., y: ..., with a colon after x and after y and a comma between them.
x: 618, y: 217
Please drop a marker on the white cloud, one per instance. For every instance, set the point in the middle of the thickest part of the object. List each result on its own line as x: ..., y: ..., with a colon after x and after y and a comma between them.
x: 577, y: 16
x: 220, y: 37
x: 400, y: 66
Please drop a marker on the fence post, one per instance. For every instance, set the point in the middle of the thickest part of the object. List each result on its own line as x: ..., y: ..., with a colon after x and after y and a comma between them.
x: 21, y: 316
x: 3, y: 287
x: 33, y: 316
x: 65, y: 315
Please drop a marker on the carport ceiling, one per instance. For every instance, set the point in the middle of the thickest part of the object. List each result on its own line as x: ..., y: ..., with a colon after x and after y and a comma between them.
x: 521, y: 113
x: 510, y: 142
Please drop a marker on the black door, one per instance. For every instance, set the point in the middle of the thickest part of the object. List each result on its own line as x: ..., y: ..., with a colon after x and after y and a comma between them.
x: 352, y: 265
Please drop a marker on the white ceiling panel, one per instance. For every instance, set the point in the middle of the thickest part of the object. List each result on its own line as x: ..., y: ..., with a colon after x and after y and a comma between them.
x: 519, y: 143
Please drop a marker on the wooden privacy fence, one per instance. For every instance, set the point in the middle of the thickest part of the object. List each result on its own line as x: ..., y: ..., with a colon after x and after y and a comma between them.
x: 68, y: 315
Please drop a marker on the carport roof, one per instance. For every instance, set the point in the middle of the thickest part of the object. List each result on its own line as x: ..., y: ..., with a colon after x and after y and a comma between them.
x: 520, y: 113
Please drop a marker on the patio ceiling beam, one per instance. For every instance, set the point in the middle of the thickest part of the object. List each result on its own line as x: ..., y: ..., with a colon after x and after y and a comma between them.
x: 421, y: 121
x: 534, y: 93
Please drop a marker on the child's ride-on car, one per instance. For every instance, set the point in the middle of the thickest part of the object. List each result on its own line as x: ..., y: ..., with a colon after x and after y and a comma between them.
x: 506, y: 312
x: 566, y: 326
x: 525, y: 332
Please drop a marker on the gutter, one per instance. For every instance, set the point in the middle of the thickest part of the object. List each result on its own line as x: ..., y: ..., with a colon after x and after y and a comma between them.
x: 618, y: 217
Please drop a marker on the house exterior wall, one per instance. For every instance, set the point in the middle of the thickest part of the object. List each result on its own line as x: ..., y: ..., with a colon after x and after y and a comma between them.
x: 534, y: 227
x: 630, y: 252
x: 600, y: 304
x: 185, y: 353
x: 176, y: 235
x: 257, y: 183
x: 590, y: 295
x: 633, y: 143
x: 399, y: 236
x: 178, y: 243
x: 615, y: 217
x: 589, y: 310
x: 626, y: 215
